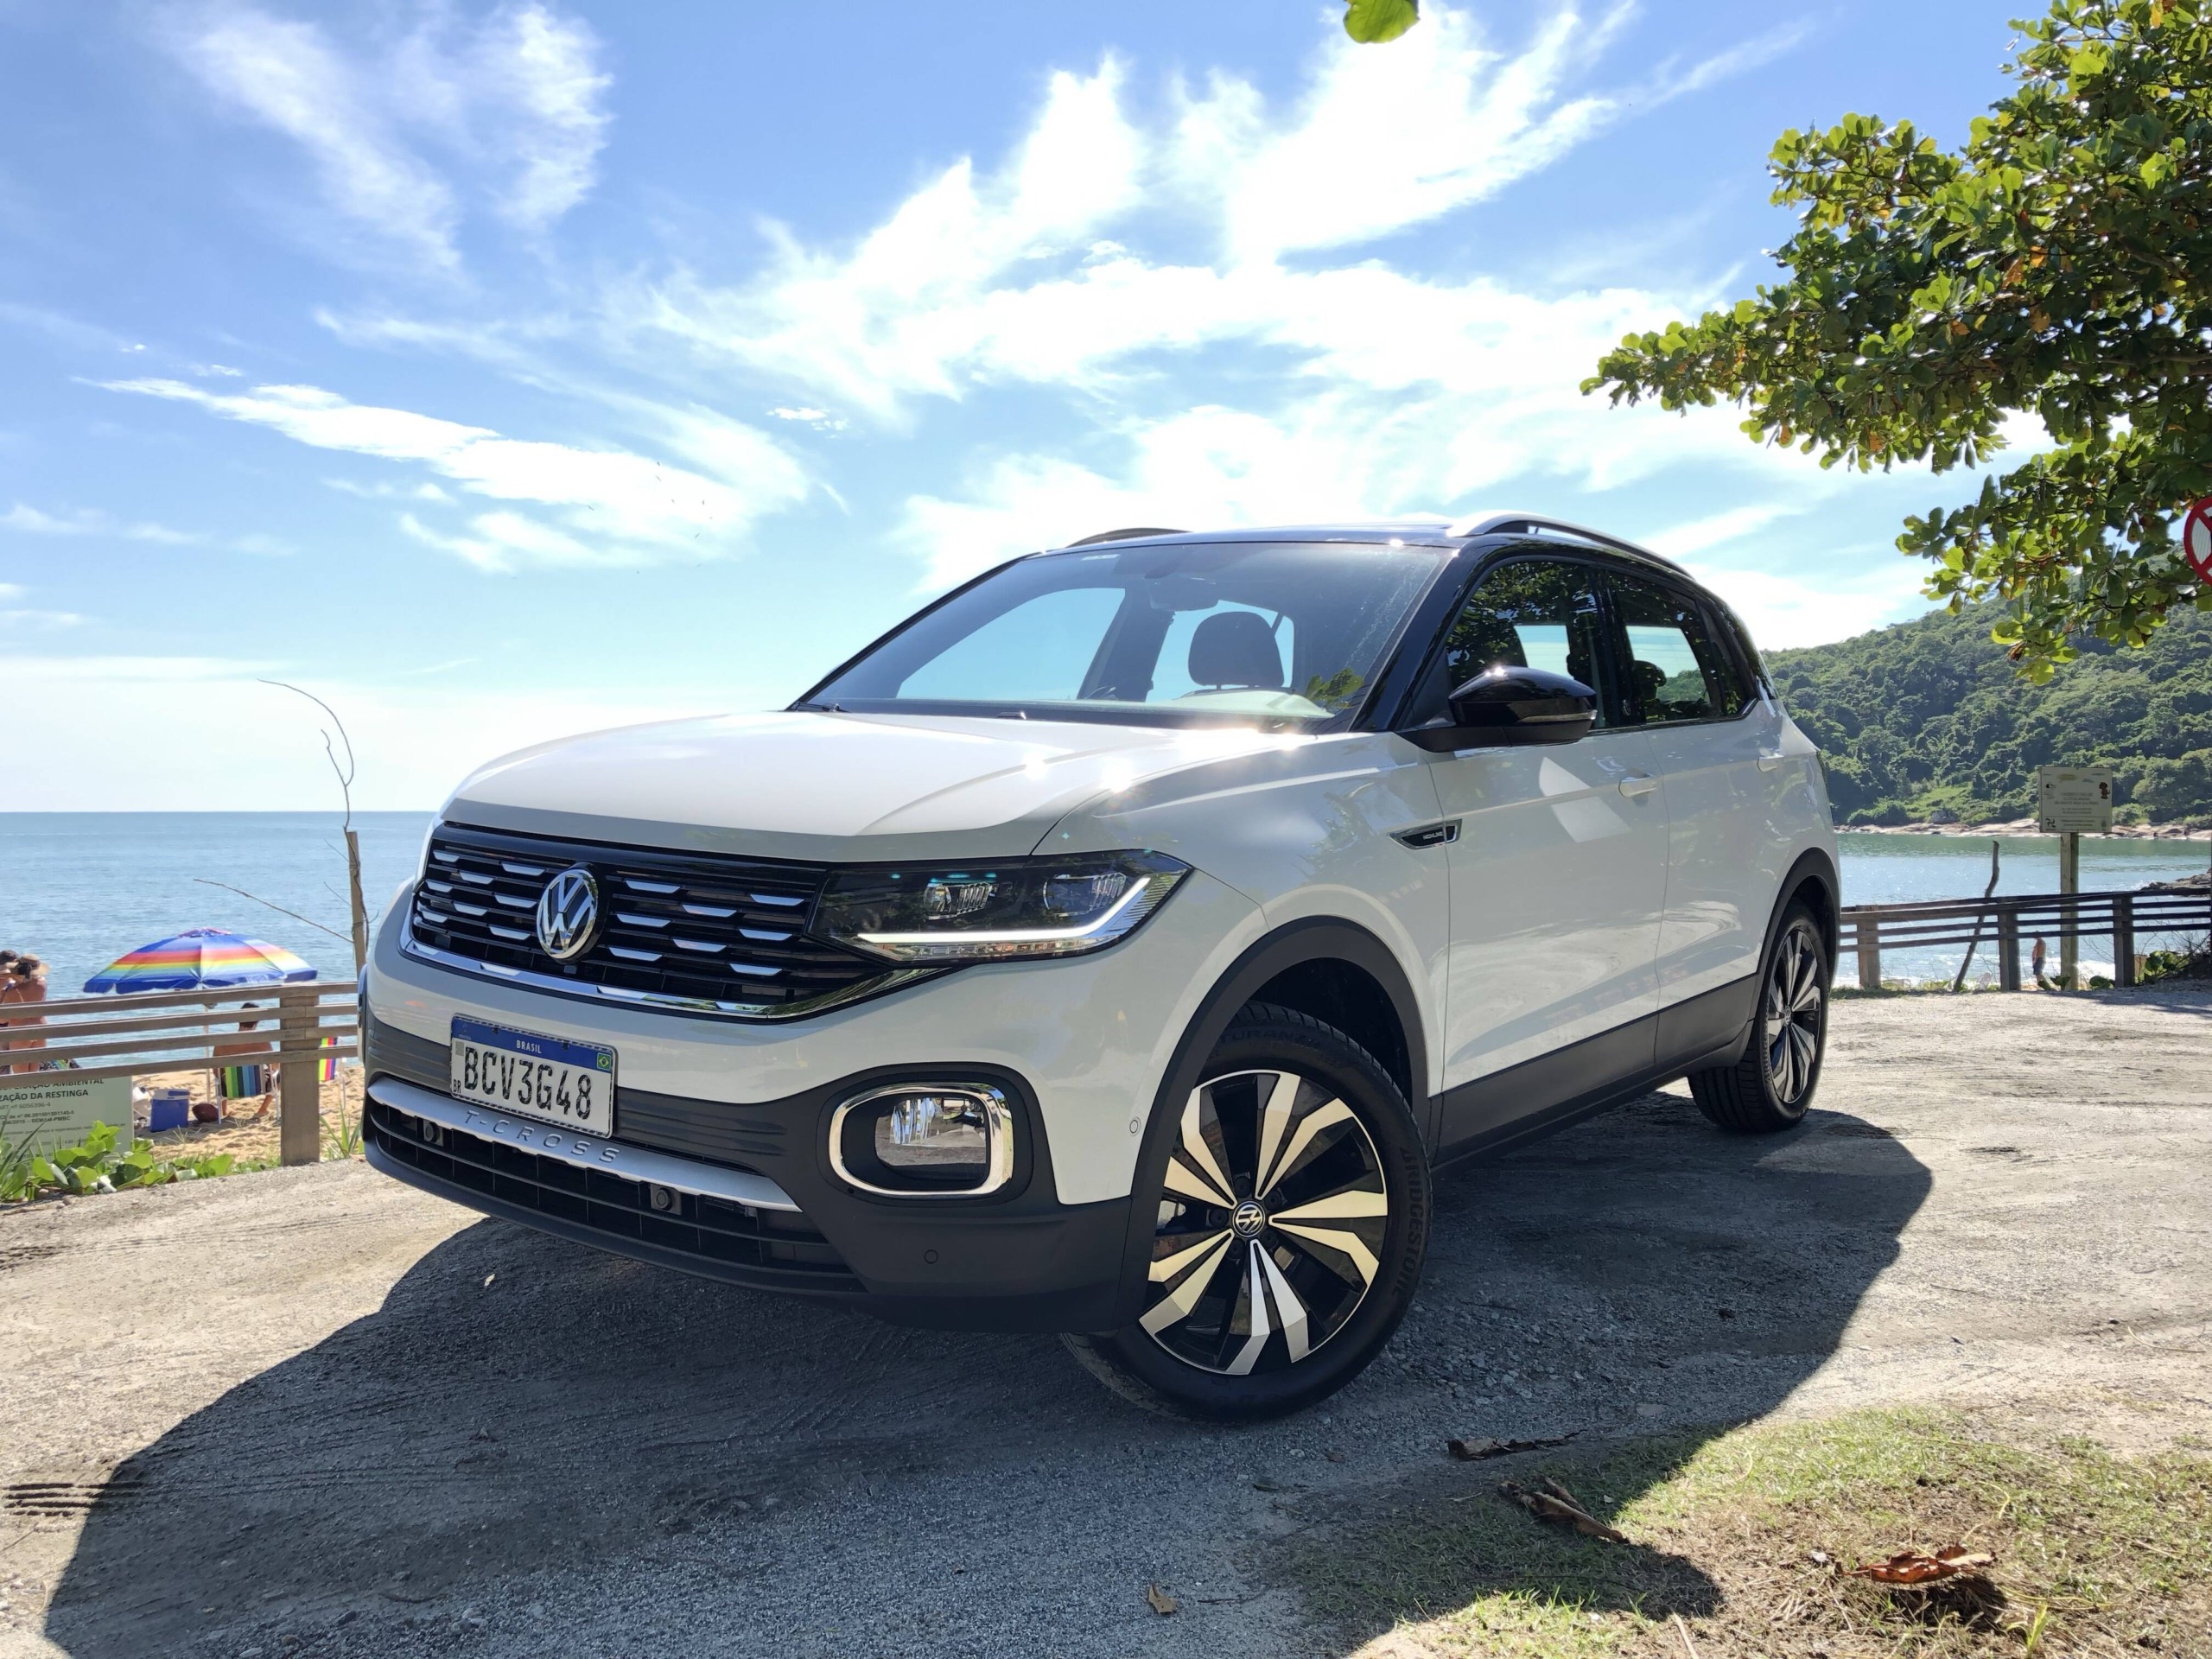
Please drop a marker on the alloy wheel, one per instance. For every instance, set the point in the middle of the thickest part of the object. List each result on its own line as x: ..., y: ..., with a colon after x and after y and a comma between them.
x: 1271, y: 1226
x: 1795, y: 999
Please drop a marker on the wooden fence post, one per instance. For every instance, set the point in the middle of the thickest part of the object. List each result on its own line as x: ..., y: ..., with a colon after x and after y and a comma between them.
x: 300, y: 1104
x: 2123, y: 939
x: 2008, y: 947
x: 1869, y: 952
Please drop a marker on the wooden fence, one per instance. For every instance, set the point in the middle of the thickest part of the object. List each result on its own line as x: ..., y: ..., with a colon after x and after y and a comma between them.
x: 295, y: 1027
x: 1999, y: 924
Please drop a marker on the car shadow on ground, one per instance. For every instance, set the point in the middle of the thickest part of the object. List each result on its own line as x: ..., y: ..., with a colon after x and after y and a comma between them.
x: 519, y: 1402
x: 1642, y: 1282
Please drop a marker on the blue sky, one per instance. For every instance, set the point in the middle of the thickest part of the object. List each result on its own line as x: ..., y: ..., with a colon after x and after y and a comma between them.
x: 498, y: 372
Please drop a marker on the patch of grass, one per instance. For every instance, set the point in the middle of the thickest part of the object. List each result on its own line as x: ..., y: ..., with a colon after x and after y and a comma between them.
x: 95, y: 1164
x: 341, y: 1139
x: 1740, y: 1536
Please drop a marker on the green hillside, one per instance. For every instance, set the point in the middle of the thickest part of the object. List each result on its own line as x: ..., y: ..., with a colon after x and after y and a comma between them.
x: 1927, y: 720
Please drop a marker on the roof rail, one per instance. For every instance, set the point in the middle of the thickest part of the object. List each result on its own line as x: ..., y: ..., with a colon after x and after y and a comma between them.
x: 1492, y: 523
x: 1126, y: 535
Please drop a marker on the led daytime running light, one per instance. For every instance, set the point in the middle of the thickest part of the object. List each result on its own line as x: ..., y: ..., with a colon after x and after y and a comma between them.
x: 1018, y: 936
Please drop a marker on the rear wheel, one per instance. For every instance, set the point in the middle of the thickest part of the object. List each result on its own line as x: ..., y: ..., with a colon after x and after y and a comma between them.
x: 1770, y: 1087
x: 1288, y: 1228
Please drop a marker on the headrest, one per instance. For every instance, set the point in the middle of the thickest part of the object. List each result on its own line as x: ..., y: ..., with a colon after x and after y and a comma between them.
x: 1236, y: 648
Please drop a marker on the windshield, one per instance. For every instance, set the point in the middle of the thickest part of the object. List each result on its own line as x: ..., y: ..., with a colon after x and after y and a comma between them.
x: 1241, y: 631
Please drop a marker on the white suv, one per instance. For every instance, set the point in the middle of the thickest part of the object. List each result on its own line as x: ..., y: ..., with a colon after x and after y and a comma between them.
x: 1118, y: 946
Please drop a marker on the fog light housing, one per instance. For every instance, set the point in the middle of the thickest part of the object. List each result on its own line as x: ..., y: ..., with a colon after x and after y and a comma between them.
x: 924, y: 1140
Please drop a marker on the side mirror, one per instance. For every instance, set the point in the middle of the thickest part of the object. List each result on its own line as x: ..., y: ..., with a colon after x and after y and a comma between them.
x: 1506, y: 705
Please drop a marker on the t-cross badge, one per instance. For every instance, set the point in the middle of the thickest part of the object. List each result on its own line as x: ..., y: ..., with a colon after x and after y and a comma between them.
x: 1120, y: 946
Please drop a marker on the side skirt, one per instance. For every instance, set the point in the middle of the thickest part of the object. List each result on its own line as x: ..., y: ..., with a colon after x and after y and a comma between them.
x: 1546, y: 1095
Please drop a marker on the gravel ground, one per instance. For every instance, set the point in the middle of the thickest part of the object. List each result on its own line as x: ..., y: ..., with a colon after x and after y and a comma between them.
x: 313, y: 1411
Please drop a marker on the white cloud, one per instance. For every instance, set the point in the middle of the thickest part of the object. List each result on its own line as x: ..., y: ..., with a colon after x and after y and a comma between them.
x: 90, y: 521
x: 182, y: 732
x: 1147, y: 266
x: 1011, y: 276
x: 1805, y: 604
x: 512, y: 105
x: 12, y: 590
x: 1720, y: 529
x: 618, y: 505
x: 26, y: 618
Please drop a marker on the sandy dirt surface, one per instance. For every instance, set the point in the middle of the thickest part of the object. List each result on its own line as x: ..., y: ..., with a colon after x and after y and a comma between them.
x: 250, y: 1129
x: 313, y: 1411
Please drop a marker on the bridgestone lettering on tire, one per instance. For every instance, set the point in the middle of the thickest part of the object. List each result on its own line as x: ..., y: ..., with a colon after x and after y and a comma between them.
x: 1288, y: 1228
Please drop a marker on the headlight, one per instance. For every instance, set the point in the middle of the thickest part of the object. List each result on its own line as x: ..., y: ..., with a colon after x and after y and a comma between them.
x: 985, y: 913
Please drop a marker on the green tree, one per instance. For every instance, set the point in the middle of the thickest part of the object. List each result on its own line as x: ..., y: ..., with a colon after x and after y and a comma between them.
x: 1372, y: 22
x: 2060, y: 266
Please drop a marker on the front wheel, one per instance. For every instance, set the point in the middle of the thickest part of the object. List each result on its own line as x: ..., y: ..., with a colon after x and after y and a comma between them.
x: 1771, y: 1086
x: 1289, y: 1229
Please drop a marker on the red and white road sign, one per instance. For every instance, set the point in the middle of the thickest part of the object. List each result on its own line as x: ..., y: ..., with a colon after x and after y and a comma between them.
x: 2196, y: 536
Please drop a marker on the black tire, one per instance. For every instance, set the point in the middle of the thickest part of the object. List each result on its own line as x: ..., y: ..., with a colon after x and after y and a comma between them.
x: 1298, y: 1151
x: 1770, y: 1085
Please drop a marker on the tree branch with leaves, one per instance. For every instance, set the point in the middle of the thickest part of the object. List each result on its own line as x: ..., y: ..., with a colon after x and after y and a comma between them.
x: 2058, y: 266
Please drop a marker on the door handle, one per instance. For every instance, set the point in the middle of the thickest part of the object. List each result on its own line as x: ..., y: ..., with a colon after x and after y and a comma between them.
x: 1428, y: 835
x: 1770, y: 759
x: 1637, y: 784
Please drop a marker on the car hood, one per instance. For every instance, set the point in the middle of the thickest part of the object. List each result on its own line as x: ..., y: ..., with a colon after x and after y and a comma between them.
x: 833, y: 787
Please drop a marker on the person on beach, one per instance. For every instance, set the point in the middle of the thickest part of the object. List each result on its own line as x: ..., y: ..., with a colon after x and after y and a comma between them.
x: 22, y: 982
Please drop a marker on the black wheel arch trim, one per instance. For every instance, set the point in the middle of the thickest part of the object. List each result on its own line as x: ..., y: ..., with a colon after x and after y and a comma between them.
x: 1315, y: 939
x: 1816, y: 867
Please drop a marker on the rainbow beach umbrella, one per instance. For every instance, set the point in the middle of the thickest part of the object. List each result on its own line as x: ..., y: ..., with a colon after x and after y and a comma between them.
x: 200, y: 958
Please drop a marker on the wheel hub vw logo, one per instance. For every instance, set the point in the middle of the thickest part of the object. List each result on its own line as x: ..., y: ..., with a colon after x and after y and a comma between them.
x: 568, y: 914
x: 1246, y: 1220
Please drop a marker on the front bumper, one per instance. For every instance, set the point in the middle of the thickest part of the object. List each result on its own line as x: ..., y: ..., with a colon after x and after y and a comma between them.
x: 668, y: 1191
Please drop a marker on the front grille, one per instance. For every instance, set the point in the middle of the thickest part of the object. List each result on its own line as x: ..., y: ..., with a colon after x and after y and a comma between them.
x: 730, y: 1235
x: 725, y: 933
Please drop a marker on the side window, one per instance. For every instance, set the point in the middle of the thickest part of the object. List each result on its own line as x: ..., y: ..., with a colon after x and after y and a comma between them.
x: 1529, y: 613
x: 1674, y: 666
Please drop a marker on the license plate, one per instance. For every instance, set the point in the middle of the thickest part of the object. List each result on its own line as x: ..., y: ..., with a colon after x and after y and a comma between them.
x: 532, y: 1076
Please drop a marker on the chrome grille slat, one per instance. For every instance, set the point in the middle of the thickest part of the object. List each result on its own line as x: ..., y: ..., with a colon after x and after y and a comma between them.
x: 672, y: 923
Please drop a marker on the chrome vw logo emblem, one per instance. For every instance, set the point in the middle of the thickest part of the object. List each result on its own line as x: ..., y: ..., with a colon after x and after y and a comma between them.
x: 567, y: 913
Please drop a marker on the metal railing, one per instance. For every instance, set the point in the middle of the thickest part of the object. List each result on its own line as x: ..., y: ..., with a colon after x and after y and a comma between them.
x: 1998, y: 924
x: 294, y: 1027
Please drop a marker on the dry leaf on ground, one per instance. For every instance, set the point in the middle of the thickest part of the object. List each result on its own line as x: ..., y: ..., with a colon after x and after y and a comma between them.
x: 1476, y: 1451
x: 1558, y: 1506
x: 1162, y: 1602
x: 1910, y: 1567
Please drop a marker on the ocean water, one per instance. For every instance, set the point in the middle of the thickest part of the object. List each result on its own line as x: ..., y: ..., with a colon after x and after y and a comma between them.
x: 81, y: 888
x: 1881, y: 870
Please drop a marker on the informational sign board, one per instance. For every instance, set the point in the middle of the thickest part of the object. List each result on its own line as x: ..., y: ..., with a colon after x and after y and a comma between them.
x: 2196, y: 536
x: 61, y: 1113
x: 2074, y: 800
